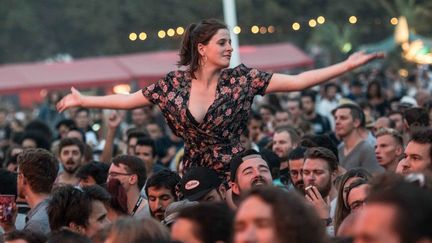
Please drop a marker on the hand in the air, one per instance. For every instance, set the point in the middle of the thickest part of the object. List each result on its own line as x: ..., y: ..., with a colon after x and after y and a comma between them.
x: 360, y: 58
x: 71, y: 100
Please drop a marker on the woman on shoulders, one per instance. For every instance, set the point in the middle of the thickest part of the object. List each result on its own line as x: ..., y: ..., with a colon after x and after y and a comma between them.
x: 208, y: 104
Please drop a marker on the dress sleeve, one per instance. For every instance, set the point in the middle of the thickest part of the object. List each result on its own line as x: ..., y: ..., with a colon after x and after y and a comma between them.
x: 157, y: 93
x: 258, y: 80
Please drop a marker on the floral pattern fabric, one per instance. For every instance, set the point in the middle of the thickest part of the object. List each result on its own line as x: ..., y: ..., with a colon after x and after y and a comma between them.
x: 214, y: 141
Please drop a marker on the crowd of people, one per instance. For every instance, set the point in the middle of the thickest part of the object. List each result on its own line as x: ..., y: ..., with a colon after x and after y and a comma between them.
x: 345, y: 161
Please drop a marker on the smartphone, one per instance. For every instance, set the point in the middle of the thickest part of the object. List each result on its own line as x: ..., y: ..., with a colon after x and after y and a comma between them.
x: 7, y: 201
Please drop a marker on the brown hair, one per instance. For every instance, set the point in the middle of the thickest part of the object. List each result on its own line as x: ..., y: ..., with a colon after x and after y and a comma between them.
x: 39, y: 167
x: 195, y: 34
x: 133, y: 230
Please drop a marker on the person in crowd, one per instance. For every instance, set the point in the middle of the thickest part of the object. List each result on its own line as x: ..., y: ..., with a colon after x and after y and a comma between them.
x: 294, y: 108
x: 285, y: 139
x: 395, y: 211
x: 165, y: 148
x: 248, y: 169
x: 204, y: 222
x: 161, y: 192
x: 320, y: 123
x: 397, y: 118
x: 282, y: 118
x: 320, y: 169
x: 342, y: 211
x: 93, y: 173
x: 208, y: 104
x: 83, y: 121
x: 380, y: 123
x: 415, y: 119
x: 131, y: 173
x: 355, y: 151
x: 145, y: 149
x: 78, y: 210
x: 257, y: 134
x: 389, y: 148
x: 140, y: 117
x: 295, y: 167
x: 137, y: 230
x: 329, y: 101
x: 376, y: 98
x: 202, y: 184
x: 37, y: 171
x: 356, y: 194
x: 267, y: 112
x: 418, y: 153
x: 71, y: 154
x: 270, y: 214
x: 132, y: 138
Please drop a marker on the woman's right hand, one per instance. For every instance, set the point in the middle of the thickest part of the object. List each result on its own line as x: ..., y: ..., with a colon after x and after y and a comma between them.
x: 71, y: 100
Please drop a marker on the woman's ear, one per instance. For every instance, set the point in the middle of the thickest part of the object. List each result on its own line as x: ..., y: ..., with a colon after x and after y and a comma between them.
x: 201, y: 49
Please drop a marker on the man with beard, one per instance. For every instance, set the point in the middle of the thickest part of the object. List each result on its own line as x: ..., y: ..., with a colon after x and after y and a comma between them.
x: 71, y: 153
x: 285, y: 139
x: 161, y: 192
x: 319, y: 171
x: 37, y: 171
x: 248, y: 169
x: 295, y: 167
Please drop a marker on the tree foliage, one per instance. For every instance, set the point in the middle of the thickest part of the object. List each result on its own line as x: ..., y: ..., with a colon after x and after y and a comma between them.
x: 35, y: 30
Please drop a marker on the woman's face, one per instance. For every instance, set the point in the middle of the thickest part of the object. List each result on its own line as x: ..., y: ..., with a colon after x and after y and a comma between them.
x: 218, y: 51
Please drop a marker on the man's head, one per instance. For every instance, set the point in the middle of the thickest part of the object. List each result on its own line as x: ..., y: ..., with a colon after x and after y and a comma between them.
x: 267, y: 112
x: 71, y: 153
x: 307, y: 99
x: 139, y: 116
x: 282, y: 118
x: 397, y: 118
x: 293, y: 106
x: 348, y: 119
x: 154, y: 130
x: 202, y: 184
x: 249, y: 169
x: 145, y: 149
x: 82, y: 118
x: 320, y: 169
x: 418, y: 152
x: 285, y: 139
x: 93, y: 173
x: 129, y: 170
x: 396, y: 211
x: 37, y: 171
x: 204, y: 222
x: 161, y: 192
x: 78, y: 210
x: 388, y: 148
x: 255, y: 126
x: 23, y: 236
x: 132, y: 138
x: 416, y: 119
x: 269, y: 214
x: 295, y: 166
x: 382, y: 122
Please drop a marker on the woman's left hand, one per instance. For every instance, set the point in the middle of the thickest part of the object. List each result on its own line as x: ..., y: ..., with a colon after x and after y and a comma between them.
x: 360, y: 58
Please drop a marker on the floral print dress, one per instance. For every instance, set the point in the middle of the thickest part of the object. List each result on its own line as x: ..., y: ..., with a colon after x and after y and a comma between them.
x: 213, y: 142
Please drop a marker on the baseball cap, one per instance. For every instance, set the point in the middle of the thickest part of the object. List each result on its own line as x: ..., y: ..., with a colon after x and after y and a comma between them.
x: 198, y: 181
x: 240, y: 158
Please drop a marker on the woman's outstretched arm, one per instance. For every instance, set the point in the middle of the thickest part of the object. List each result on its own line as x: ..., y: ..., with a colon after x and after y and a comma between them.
x: 285, y: 83
x: 115, y: 101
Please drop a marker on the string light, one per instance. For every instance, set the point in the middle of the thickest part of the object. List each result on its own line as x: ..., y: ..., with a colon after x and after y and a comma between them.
x: 394, y: 21
x: 142, y: 36
x: 170, y: 32
x: 271, y: 29
x: 352, y: 19
x: 161, y: 34
x: 312, y: 23
x: 133, y: 36
x: 296, y: 26
x: 237, y: 30
x: 180, y: 30
x: 255, y: 29
x: 321, y: 20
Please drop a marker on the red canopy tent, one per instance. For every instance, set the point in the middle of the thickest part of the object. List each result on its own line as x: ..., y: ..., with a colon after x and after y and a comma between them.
x: 30, y: 78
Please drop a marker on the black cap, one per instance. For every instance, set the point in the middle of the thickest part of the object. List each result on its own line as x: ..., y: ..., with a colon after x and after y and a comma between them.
x: 237, y: 160
x: 197, y: 182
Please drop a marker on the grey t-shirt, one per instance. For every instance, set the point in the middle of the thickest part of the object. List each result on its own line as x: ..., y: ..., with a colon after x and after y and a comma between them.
x: 362, y: 155
x: 37, y: 219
